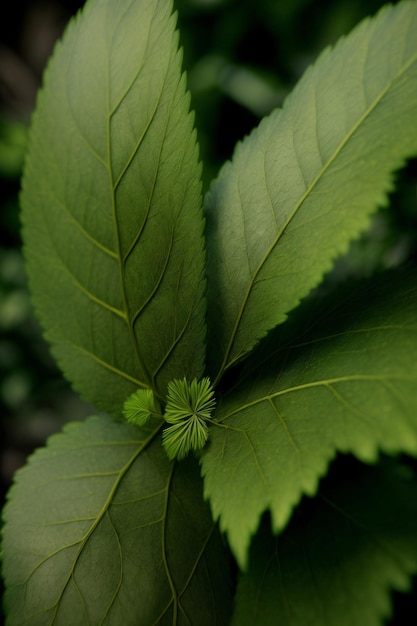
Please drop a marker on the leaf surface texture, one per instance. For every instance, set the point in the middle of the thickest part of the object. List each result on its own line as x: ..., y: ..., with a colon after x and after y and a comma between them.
x: 346, y: 383
x: 101, y: 529
x: 112, y: 216
x: 306, y: 181
x: 340, y: 557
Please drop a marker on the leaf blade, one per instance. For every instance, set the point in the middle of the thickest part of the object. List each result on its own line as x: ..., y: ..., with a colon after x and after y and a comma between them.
x: 339, y: 565
x: 305, y: 182
x: 347, y: 384
x: 128, y: 540
x: 111, y: 201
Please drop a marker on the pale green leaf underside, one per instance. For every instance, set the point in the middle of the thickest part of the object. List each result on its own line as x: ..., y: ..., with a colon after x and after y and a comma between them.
x: 101, y: 529
x: 347, y: 385
x: 112, y: 205
x: 305, y: 182
x: 355, y: 543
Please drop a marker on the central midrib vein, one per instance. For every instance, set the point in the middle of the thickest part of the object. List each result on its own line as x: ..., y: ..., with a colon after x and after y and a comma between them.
x: 225, y: 363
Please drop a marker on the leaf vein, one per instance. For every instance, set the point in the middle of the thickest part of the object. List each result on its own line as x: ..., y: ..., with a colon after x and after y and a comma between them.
x: 107, y: 366
x: 284, y: 425
x: 226, y: 363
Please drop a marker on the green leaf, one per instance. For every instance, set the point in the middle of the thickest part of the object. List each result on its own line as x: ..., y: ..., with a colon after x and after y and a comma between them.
x: 189, y: 406
x: 306, y: 181
x: 338, y: 560
x: 348, y: 384
x: 101, y: 528
x: 140, y: 406
x: 13, y: 140
x: 111, y: 204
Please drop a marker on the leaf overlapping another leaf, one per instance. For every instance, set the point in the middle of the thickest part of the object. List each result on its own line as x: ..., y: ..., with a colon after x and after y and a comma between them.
x: 113, y: 226
x: 102, y: 529
x: 339, y: 558
x: 347, y: 384
x: 305, y: 182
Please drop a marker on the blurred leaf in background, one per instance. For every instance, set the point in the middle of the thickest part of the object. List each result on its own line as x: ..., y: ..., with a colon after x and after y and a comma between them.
x: 13, y: 138
x: 34, y: 400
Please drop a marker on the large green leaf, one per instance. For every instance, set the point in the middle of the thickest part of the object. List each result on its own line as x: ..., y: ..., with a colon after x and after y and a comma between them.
x: 101, y: 529
x: 305, y: 182
x: 347, y: 384
x: 112, y: 205
x: 339, y: 558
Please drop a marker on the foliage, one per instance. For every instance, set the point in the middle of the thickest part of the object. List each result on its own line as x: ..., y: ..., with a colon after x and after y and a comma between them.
x: 206, y: 328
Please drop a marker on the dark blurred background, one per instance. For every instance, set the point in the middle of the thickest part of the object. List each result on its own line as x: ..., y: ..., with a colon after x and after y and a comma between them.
x: 242, y: 58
